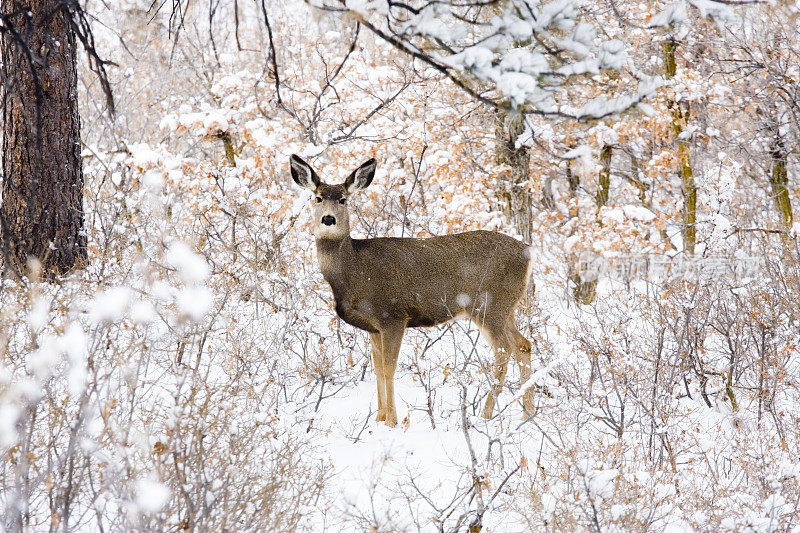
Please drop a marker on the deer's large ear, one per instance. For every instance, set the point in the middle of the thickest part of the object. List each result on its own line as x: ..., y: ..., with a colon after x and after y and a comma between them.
x: 303, y: 174
x: 361, y: 177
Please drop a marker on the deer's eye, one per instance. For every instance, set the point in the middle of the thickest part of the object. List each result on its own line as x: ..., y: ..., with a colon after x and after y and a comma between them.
x: 342, y: 201
x: 318, y: 199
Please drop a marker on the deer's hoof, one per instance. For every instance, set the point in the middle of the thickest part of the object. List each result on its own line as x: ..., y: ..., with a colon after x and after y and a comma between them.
x: 391, y: 420
x: 381, y: 416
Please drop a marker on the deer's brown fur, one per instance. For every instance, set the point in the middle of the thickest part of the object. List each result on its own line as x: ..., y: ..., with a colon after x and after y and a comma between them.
x: 385, y: 285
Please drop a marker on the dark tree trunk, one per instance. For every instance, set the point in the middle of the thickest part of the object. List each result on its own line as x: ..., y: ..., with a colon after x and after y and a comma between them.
x: 41, y: 215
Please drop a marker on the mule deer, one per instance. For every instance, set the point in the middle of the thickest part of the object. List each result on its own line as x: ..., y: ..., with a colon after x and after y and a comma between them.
x: 386, y: 285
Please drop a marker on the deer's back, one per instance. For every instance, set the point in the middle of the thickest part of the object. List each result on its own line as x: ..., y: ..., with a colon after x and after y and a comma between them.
x: 429, y: 281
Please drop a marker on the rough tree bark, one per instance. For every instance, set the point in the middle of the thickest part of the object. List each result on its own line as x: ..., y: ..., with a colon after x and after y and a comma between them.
x: 510, y: 126
x: 41, y: 215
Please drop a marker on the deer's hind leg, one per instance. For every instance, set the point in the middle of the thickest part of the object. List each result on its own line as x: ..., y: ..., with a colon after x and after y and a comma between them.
x: 377, y: 361
x: 503, y: 344
x: 522, y: 354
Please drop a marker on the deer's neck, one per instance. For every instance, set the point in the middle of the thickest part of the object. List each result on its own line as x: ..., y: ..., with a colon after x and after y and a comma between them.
x: 333, y: 256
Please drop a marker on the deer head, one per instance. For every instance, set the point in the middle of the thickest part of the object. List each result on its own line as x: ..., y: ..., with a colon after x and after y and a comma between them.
x: 331, y: 217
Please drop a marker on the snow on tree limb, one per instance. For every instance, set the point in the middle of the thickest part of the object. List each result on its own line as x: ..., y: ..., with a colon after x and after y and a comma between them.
x: 522, y: 55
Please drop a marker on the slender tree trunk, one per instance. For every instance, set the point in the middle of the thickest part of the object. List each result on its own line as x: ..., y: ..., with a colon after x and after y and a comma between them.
x: 605, y: 176
x: 510, y: 126
x: 573, y: 181
x: 584, y: 276
x: 638, y: 183
x: 583, y: 292
x: 41, y: 215
x: 227, y: 143
x: 548, y: 199
x: 679, y: 118
x: 689, y: 201
x: 779, y: 181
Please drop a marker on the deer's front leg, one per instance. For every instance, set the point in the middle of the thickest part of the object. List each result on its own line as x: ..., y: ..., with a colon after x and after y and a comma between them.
x: 391, y: 338
x: 377, y: 361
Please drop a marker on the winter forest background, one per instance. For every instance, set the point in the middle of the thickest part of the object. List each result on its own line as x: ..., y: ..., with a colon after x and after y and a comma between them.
x: 190, y: 373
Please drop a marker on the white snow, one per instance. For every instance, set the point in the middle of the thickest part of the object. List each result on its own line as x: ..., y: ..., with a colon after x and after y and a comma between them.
x: 463, y: 300
x: 215, y: 121
x: 578, y: 152
x: 143, y: 156
x: 192, y: 268
x: 39, y: 313
x: 674, y: 13
x: 436, y: 22
x: 153, y: 180
x: 477, y: 59
x: 195, y: 301
x: 718, y: 11
x: 613, y: 55
x: 151, y: 495
x: 637, y: 212
x: 367, y: 7
x: 9, y: 414
x: 142, y: 312
x: 612, y: 214
x: 43, y: 362
x: 110, y: 305
x: 73, y: 343
x: 518, y: 87
x: 524, y: 60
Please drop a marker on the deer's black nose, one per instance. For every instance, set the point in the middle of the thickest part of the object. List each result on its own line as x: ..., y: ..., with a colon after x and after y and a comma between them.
x: 328, y: 220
